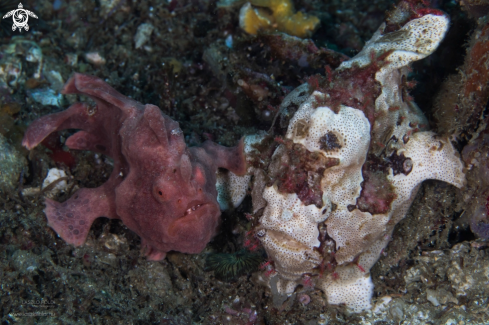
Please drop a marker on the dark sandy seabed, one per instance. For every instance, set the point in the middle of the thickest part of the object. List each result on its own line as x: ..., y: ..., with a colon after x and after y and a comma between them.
x: 435, y: 270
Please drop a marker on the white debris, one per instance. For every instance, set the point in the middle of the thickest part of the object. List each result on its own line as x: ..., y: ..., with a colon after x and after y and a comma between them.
x: 55, y: 174
x: 142, y: 35
x: 94, y: 58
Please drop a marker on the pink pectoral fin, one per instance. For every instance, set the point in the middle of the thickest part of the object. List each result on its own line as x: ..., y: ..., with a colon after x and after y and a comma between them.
x: 156, y: 256
x: 73, y: 117
x: 232, y: 159
x: 151, y: 253
x: 82, y: 140
x: 72, y: 219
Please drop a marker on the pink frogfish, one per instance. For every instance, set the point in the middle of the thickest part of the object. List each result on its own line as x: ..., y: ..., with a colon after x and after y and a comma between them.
x: 160, y: 189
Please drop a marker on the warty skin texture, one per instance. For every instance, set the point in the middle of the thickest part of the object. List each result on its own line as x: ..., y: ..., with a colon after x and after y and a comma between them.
x: 159, y: 188
x: 360, y: 117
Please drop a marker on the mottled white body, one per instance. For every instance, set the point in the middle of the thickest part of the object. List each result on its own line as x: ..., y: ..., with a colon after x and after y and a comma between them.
x: 289, y: 230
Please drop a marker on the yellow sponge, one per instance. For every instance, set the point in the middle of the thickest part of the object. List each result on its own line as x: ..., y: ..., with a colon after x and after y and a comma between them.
x: 281, y: 18
x: 253, y: 19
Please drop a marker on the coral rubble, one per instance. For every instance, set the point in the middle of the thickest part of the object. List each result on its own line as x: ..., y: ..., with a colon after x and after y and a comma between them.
x: 12, y: 164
